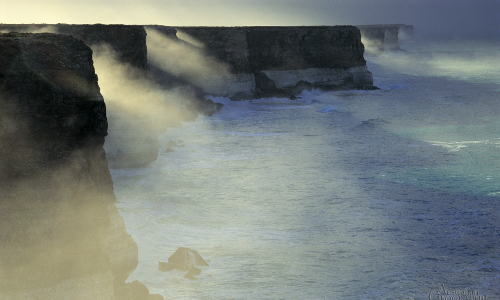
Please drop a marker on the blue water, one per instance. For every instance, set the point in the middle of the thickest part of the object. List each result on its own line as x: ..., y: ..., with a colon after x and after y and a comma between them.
x: 386, y: 194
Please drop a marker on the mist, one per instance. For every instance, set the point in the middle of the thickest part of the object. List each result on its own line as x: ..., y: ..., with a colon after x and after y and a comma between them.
x: 138, y: 109
x: 185, y: 58
x: 475, y: 61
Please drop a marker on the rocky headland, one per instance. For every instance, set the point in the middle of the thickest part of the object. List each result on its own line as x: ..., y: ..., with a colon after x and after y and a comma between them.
x: 62, y: 236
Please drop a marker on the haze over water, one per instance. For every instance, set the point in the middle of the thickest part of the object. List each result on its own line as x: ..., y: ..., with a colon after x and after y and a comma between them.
x: 385, y: 194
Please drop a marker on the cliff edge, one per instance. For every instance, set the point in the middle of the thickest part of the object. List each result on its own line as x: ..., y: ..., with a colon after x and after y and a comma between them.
x: 275, y: 61
x: 62, y: 236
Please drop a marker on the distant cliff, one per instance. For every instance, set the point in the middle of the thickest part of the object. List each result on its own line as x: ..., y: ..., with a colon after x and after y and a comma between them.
x: 280, y: 61
x: 385, y: 37
x: 62, y: 236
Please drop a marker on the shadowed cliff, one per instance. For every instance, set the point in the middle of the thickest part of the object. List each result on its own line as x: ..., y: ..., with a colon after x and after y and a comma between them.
x: 138, y: 109
x: 61, y: 235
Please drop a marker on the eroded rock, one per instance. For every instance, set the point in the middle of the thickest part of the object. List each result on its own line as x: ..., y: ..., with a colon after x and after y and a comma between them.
x: 184, y: 259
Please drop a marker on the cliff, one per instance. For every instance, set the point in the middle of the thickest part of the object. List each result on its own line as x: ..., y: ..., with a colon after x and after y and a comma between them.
x: 126, y: 83
x: 278, y: 61
x: 385, y: 37
x: 62, y: 236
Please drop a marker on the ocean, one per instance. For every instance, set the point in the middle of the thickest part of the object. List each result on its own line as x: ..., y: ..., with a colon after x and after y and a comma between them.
x: 383, y: 194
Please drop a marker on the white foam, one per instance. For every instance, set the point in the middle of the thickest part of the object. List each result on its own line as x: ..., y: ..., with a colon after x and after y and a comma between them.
x: 327, y: 109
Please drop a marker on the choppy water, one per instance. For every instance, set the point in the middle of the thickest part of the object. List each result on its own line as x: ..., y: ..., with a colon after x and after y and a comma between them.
x: 387, y: 194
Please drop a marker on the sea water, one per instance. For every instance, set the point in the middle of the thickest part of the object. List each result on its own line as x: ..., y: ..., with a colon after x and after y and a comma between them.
x: 384, y: 194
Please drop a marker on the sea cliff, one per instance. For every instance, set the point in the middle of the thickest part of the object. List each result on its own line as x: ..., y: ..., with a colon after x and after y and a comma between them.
x: 62, y: 236
x: 280, y: 61
x: 123, y: 66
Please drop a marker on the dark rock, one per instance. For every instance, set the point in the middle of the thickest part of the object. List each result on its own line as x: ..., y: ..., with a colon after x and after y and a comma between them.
x: 299, y: 48
x: 265, y: 87
x: 183, y: 259
x: 49, y: 98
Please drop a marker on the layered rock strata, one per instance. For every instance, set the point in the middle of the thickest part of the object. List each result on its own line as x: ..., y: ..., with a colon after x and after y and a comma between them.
x: 61, y: 235
x: 281, y: 61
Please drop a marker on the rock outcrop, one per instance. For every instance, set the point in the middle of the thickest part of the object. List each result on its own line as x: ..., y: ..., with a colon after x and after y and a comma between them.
x: 280, y: 61
x: 384, y: 37
x: 184, y: 259
x: 61, y: 235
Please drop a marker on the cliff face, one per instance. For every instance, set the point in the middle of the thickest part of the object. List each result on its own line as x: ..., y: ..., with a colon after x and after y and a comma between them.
x: 123, y: 66
x: 296, y: 57
x: 61, y: 235
x: 125, y: 148
x: 281, y: 61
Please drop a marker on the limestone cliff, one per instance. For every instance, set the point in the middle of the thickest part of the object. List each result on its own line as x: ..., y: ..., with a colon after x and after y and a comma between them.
x: 61, y: 235
x: 280, y: 61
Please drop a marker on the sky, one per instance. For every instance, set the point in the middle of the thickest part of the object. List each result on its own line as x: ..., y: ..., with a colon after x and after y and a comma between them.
x: 452, y: 18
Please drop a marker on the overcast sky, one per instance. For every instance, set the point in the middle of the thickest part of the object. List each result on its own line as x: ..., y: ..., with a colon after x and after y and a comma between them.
x: 451, y: 17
